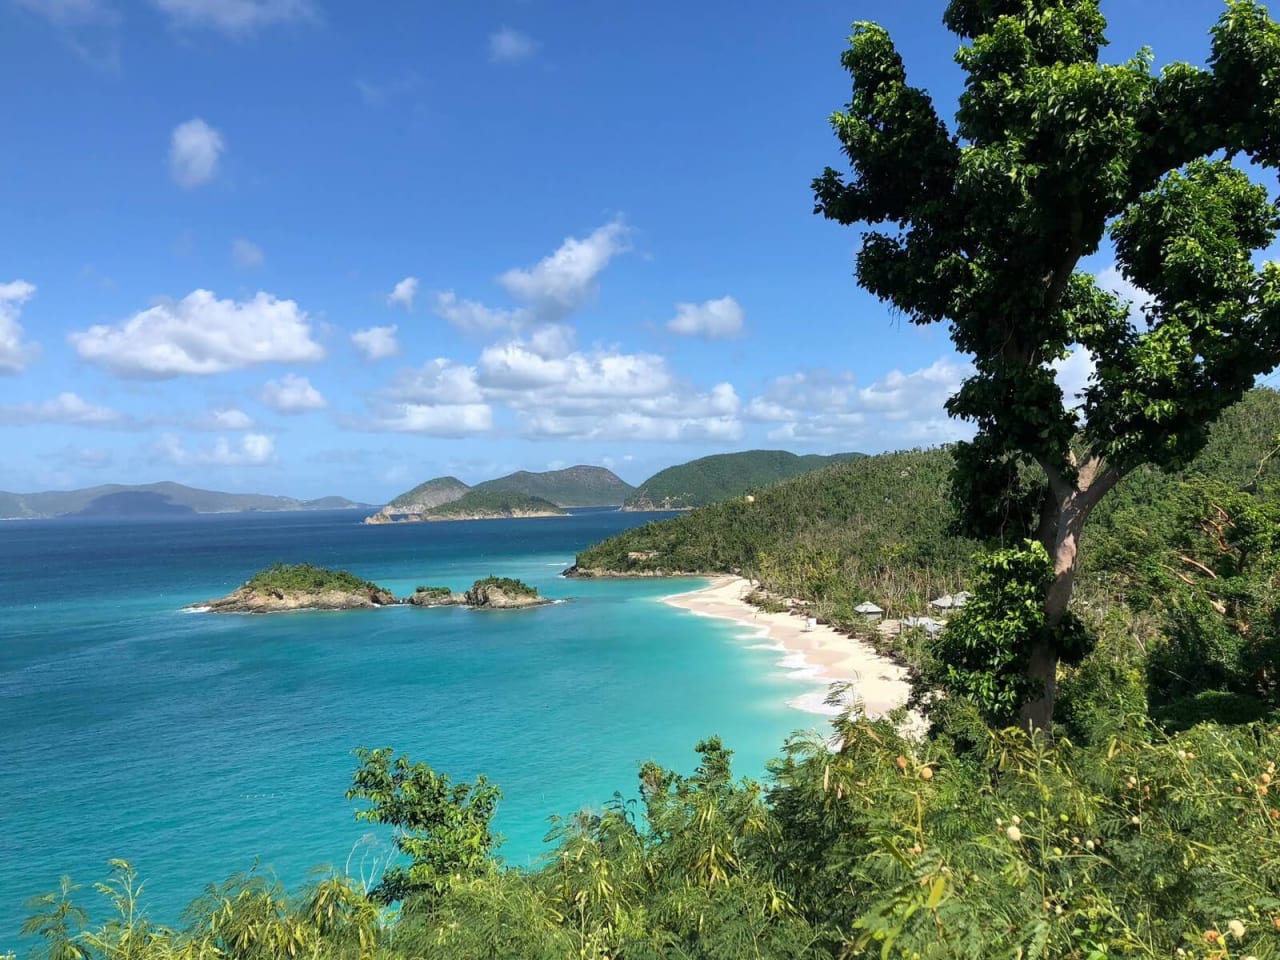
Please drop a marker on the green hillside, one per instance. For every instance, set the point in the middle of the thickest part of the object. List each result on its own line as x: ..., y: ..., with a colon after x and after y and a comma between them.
x: 424, y: 496
x: 580, y: 486
x: 879, y: 528
x: 151, y: 498
x: 718, y: 477
x: 494, y: 504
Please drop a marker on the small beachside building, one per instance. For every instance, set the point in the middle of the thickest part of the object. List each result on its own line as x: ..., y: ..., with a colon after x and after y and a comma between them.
x: 929, y: 625
x: 869, y: 610
x: 949, y: 602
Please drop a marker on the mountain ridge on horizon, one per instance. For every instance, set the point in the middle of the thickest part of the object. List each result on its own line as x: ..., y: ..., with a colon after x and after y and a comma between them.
x: 162, y: 498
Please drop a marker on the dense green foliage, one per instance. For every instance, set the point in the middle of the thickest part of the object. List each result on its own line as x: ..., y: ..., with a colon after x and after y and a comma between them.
x: 719, y: 477
x: 305, y: 578
x: 492, y: 503
x: 983, y: 223
x: 508, y: 585
x: 871, y: 528
x: 435, y: 593
x: 580, y: 486
x: 1136, y: 846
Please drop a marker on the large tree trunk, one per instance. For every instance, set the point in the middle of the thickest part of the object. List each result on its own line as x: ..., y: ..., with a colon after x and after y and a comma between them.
x: 1062, y: 519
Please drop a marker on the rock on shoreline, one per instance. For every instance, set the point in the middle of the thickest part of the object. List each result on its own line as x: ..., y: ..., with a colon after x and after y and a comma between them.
x: 248, y: 600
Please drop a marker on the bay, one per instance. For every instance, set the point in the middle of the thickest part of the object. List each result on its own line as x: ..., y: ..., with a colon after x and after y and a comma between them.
x: 196, y: 745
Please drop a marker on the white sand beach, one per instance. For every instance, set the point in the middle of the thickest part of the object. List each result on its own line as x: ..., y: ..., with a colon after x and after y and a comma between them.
x: 821, y: 653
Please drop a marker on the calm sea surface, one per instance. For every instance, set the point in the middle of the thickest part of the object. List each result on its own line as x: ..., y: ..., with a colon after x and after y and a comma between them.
x: 191, y: 744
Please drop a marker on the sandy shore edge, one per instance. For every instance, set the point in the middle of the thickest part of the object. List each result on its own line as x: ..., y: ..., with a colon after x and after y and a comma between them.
x: 821, y: 654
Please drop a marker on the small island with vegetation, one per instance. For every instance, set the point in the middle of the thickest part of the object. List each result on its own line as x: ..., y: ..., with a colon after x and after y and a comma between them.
x: 503, y: 593
x: 301, y: 586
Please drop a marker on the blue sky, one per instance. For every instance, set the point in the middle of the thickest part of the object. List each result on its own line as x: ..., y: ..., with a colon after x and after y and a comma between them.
x: 292, y: 247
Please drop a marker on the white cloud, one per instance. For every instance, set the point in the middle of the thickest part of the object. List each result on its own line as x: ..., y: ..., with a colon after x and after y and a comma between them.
x: 1113, y: 281
x: 292, y: 395
x: 475, y: 317
x: 521, y: 365
x: 438, y: 381
x: 511, y: 46
x: 565, y: 280
x: 246, y: 254
x: 403, y: 293
x: 194, y: 151
x: 435, y: 419
x: 899, y: 410
x: 225, y: 418
x: 67, y: 408
x: 713, y: 319
x: 377, y: 343
x: 236, y: 17
x: 253, y: 450
x: 1073, y: 373
x: 200, y: 334
x: 15, y: 354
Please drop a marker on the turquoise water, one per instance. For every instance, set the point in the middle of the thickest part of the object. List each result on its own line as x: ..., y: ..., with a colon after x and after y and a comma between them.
x: 191, y: 744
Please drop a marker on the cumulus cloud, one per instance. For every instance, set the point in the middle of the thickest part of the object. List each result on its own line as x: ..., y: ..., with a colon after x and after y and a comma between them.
x: 557, y: 391
x: 224, y: 418
x: 898, y: 410
x: 292, y: 395
x: 377, y: 343
x: 246, y: 254
x: 253, y: 450
x: 511, y: 46
x: 402, y: 293
x: 235, y: 17
x: 435, y: 419
x: 438, y: 381
x: 15, y: 353
x: 194, y: 151
x: 712, y: 319
x: 473, y: 317
x: 200, y: 334
x: 65, y: 408
x: 565, y: 280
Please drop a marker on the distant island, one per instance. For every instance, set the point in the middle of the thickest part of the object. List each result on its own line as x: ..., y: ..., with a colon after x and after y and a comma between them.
x: 284, y: 588
x: 580, y: 486
x: 152, y: 500
x: 683, y: 487
x: 476, y: 504
x: 721, y: 476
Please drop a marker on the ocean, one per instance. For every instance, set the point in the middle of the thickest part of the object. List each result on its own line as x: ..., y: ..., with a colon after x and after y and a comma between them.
x: 197, y: 745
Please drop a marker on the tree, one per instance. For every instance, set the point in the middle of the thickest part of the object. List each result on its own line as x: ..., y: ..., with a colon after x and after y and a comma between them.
x: 442, y: 826
x: 985, y: 228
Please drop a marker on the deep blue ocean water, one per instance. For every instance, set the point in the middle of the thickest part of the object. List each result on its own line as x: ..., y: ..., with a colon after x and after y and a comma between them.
x: 192, y: 744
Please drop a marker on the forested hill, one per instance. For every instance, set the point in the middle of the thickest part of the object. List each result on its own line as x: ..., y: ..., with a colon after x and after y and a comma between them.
x: 152, y: 499
x: 711, y: 479
x: 580, y: 486
x: 479, y: 504
x: 878, y: 528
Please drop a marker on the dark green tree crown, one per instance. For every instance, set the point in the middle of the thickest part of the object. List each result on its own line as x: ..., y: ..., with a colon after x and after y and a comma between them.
x: 1052, y: 151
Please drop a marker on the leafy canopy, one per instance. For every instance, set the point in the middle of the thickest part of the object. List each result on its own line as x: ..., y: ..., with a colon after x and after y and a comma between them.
x: 1052, y: 151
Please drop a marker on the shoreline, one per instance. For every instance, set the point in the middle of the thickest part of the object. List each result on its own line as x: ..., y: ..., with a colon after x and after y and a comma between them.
x: 821, y: 655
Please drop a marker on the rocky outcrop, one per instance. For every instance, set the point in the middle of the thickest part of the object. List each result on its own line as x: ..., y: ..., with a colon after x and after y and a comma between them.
x: 435, y: 597
x: 249, y: 600
x: 499, y: 595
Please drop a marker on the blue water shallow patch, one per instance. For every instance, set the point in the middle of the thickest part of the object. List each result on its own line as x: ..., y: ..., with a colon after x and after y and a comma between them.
x: 191, y: 744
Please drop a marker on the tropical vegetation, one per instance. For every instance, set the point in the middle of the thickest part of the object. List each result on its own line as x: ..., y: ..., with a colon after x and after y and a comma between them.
x: 306, y: 578
x: 721, y: 476
x: 492, y: 503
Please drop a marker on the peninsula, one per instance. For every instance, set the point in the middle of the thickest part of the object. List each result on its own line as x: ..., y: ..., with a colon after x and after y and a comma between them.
x: 477, y: 504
